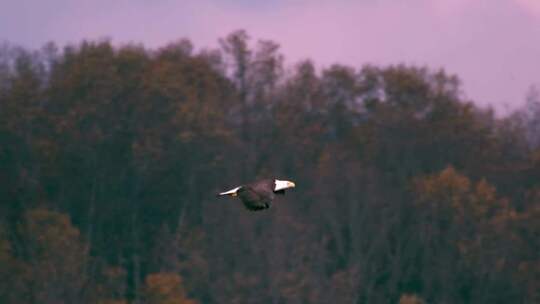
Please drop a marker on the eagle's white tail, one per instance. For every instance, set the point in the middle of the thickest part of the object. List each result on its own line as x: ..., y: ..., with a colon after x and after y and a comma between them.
x: 231, y: 192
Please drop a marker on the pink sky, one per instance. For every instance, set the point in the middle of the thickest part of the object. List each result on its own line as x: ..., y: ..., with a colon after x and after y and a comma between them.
x: 493, y: 45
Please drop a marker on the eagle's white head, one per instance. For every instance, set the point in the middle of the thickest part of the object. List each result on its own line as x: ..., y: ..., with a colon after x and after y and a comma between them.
x: 283, y: 184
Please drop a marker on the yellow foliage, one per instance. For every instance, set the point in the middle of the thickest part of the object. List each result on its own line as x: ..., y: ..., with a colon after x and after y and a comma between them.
x: 451, y: 189
x: 166, y: 288
x: 112, y: 301
x: 410, y: 299
x: 448, y: 185
x: 53, y: 234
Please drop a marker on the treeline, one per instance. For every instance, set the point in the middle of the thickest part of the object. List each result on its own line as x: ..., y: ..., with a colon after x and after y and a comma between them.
x: 110, y: 158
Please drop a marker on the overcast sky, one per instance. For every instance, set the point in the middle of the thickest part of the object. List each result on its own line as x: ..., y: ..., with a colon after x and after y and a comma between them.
x: 492, y: 45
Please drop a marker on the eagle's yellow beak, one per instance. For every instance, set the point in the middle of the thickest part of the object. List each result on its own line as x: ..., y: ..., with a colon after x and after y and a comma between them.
x: 291, y: 184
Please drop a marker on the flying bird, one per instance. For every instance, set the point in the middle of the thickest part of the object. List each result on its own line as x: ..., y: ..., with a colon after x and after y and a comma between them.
x: 259, y: 195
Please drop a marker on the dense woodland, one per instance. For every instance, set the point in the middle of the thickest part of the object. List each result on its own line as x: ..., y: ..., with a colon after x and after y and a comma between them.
x: 111, y: 156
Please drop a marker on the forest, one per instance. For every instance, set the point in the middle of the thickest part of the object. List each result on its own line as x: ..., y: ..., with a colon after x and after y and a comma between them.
x: 406, y: 190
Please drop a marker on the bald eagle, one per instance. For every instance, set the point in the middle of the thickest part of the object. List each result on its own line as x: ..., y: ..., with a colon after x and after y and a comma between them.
x: 260, y: 194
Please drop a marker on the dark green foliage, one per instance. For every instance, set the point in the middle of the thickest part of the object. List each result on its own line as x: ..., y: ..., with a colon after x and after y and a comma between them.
x: 110, y: 158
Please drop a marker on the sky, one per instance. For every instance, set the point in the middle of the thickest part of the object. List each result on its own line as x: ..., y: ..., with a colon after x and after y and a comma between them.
x: 492, y: 45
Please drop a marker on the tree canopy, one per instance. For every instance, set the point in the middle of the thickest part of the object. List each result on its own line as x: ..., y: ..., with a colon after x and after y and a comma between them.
x: 111, y: 156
